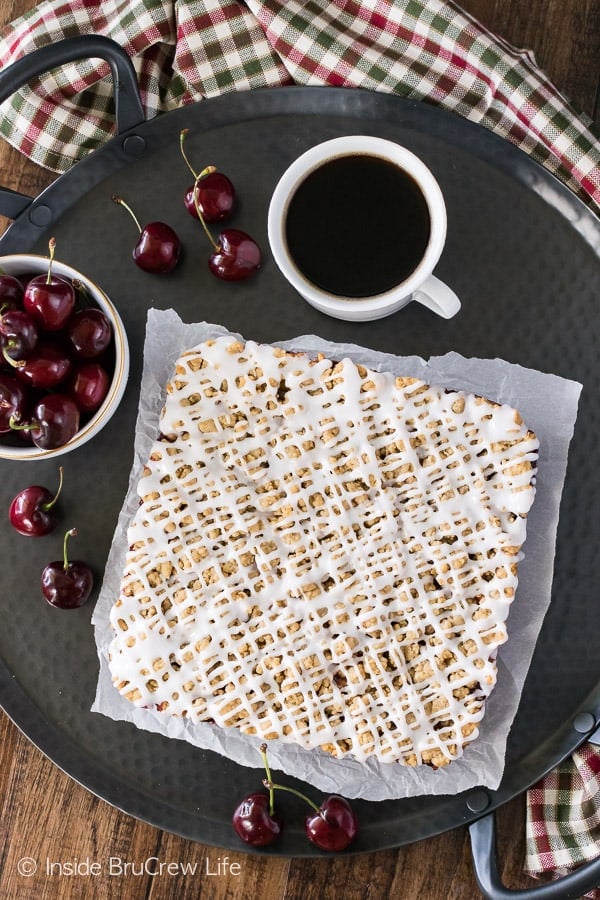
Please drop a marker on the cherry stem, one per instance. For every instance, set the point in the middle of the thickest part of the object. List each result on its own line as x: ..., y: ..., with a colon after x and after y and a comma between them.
x: 201, y: 217
x: 282, y: 787
x: 182, y: 136
x: 71, y: 533
x: 51, y: 248
x: 15, y: 363
x: 80, y: 286
x: 15, y: 426
x: 263, y: 753
x: 121, y: 202
x: 48, y: 506
x: 272, y: 787
x: 206, y: 171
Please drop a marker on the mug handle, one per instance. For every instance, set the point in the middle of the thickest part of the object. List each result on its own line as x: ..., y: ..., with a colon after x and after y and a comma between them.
x: 437, y: 296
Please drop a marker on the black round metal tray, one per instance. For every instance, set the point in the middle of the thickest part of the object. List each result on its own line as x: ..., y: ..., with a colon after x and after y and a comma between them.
x: 522, y: 253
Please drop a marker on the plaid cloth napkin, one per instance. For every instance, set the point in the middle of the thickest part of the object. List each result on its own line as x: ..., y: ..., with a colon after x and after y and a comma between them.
x: 185, y: 51
x: 422, y: 49
x: 563, y: 816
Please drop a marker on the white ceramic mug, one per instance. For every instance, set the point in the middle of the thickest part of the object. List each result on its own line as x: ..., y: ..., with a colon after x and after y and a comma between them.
x: 421, y: 285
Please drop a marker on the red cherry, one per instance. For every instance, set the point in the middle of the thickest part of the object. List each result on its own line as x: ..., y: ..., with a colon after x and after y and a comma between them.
x: 255, y: 823
x: 18, y: 334
x: 11, y: 291
x: 45, y: 367
x: 236, y: 257
x: 32, y: 512
x: 215, y: 196
x: 13, y: 398
x: 54, y: 422
x: 334, y: 826
x: 158, y: 248
x: 212, y: 195
x: 88, y: 386
x: 65, y: 584
x: 49, y: 298
x: 89, y: 331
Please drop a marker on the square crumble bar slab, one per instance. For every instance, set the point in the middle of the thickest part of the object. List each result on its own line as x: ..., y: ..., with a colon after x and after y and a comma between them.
x: 323, y: 554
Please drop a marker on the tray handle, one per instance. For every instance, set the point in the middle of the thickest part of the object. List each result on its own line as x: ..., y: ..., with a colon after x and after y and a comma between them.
x: 129, y: 111
x: 483, y: 848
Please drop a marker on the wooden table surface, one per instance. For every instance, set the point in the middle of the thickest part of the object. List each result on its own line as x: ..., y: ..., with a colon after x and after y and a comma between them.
x: 45, y: 816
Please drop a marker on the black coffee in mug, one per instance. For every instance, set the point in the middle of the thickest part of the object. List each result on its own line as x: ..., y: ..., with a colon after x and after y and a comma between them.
x: 357, y: 225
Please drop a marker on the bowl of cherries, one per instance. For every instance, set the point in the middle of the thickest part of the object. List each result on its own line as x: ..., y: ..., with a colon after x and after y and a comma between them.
x: 64, y: 357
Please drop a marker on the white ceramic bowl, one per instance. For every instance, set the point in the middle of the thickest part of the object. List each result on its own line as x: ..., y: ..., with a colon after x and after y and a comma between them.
x: 21, y: 263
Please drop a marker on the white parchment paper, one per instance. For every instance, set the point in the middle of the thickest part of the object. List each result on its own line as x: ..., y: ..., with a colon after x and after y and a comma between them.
x: 548, y: 405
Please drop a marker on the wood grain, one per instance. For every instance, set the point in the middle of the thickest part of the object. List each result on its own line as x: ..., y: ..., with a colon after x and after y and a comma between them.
x: 565, y: 38
x: 48, y: 817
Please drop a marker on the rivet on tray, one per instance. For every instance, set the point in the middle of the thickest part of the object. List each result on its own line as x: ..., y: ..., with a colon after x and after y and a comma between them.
x: 478, y: 800
x: 40, y: 215
x: 584, y: 722
x: 134, y: 145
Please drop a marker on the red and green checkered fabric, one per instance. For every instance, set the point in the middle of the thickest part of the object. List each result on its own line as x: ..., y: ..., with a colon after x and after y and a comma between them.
x: 185, y: 51
x: 563, y: 816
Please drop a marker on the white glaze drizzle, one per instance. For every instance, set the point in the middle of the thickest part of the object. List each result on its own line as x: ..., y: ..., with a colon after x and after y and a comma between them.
x: 323, y: 554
